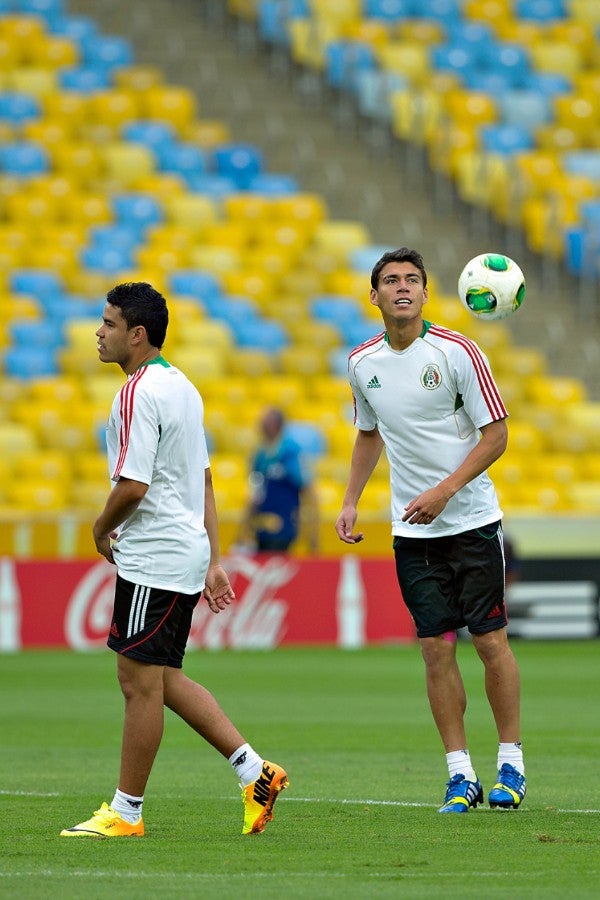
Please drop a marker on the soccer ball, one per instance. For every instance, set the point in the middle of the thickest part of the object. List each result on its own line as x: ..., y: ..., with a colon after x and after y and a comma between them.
x: 491, y: 286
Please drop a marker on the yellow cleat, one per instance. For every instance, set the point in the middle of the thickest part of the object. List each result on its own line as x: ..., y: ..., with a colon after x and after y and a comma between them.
x: 260, y: 796
x: 105, y: 823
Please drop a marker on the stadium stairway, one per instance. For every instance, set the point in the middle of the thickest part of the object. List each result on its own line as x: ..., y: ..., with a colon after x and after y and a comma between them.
x: 308, y: 131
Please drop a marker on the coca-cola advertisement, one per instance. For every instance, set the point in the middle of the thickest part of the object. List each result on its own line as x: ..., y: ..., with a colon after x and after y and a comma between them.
x: 349, y: 602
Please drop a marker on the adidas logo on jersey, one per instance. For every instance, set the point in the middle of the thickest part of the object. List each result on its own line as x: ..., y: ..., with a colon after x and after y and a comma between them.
x: 374, y: 382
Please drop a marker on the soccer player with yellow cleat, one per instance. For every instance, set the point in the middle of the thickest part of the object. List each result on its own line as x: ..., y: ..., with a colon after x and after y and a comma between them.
x: 105, y: 823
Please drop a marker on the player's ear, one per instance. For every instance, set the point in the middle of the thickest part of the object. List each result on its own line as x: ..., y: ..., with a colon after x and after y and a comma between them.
x: 425, y: 295
x: 374, y: 297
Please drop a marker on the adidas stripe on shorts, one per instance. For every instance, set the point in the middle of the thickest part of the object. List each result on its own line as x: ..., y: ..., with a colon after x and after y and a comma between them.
x: 151, y: 624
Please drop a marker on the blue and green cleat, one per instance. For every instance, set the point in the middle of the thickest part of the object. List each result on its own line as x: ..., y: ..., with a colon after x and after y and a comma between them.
x: 461, y: 795
x: 509, y: 790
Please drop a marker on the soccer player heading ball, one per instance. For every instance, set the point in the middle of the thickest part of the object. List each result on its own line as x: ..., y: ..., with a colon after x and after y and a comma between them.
x: 427, y: 395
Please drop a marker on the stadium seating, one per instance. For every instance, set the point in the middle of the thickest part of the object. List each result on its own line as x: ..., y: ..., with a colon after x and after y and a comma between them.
x: 117, y: 176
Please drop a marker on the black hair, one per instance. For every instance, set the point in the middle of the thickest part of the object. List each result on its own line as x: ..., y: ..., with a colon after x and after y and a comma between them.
x: 141, y: 304
x: 401, y: 255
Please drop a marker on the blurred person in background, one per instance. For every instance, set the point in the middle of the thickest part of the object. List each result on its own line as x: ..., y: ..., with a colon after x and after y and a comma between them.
x: 283, y: 504
x: 427, y: 395
x: 159, y: 527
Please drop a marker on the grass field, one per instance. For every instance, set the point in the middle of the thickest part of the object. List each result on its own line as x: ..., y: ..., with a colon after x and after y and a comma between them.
x: 366, y: 771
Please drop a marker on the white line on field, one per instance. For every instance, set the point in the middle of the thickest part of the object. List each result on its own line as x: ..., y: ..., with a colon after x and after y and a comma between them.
x: 29, y: 794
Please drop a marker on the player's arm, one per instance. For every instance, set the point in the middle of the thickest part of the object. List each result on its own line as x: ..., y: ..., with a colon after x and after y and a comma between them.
x: 121, y: 503
x: 423, y: 509
x: 365, y: 455
x: 217, y: 590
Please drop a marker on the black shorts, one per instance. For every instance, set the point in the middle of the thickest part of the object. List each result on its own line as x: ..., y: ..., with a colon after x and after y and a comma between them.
x: 151, y: 624
x: 455, y: 581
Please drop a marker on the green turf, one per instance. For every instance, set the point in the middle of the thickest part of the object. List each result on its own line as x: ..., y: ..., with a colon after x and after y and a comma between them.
x: 355, y: 733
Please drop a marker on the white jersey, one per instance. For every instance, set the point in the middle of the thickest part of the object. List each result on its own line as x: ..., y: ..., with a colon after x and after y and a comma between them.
x: 156, y: 435
x: 428, y: 402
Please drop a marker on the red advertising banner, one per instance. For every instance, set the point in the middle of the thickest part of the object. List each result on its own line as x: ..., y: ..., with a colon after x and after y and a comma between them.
x: 349, y: 601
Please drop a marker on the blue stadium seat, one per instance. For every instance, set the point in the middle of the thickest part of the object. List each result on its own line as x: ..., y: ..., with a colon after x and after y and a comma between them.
x: 344, y: 60
x: 122, y: 237
x: 240, y: 162
x: 510, y: 60
x: 506, y: 139
x: 24, y: 159
x: 76, y: 28
x: 180, y: 158
x: 194, y: 283
x: 84, y: 79
x: 273, y: 17
x: 137, y: 209
x: 38, y: 282
x: 61, y: 308
x: 152, y: 134
x: 232, y: 310
x: 444, y: 11
x: 18, y: 108
x: 261, y: 334
x: 524, y: 108
x: 582, y: 162
x: 548, y: 83
x: 215, y: 186
x: 107, y: 259
x: 107, y: 51
x: 30, y: 362
x: 373, y: 90
x: 36, y: 333
x: 540, y: 10
x: 274, y: 184
x: 388, y: 10
x: 364, y: 258
x: 455, y: 59
x: 46, y: 9
x: 358, y: 331
x: 335, y: 308
x: 309, y: 438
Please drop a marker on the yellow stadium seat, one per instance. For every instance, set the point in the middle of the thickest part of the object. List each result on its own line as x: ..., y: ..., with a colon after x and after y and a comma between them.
x: 138, y: 78
x: 256, y: 284
x: 586, y: 418
x: 340, y: 237
x: 555, y: 390
x: 315, y: 336
x: 511, y: 468
x: 113, y: 108
x: 101, y: 389
x: 562, y: 468
x: 82, y: 361
x: 544, y: 497
x: 286, y: 390
x: 16, y: 439
x: 301, y: 208
x: 249, y: 363
x: 198, y: 363
x: 523, y: 437
x: 579, y: 112
x: 585, y: 497
x: 406, y: 58
x: 88, y: 208
x: 89, y: 495
x: 91, y: 466
x: 534, y: 170
x: 165, y: 259
x: 474, y: 107
x: 37, y: 496
x: 560, y: 56
x: 44, y: 465
x: 171, y: 103
x: 207, y: 133
x: 193, y: 211
x: 67, y: 107
x: 125, y: 163
x: 10, y: 53
x: 519, y: 31
x: 306, y: 360
x: 56, y: 389
x: 250, y: 208
x: 38, y: 82
x: 585, y: 11
x: 274, y: 260
x: 229, y: 466
x: 577, y: 34
x: 448, y: 142
x: 28, y: 207
x: 205, y: 333
x: 492, y: 11
x: 217, y: 259
x: 522, y: 361
x: 330, y: 494
x: 163, y: 185
x: 589, y: 466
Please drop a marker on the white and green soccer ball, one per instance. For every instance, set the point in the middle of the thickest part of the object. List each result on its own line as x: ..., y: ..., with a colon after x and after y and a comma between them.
x: 491, y: 286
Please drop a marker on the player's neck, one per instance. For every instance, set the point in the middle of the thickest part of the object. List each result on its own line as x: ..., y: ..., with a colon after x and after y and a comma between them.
x: 139, y: 360
x: 402, y: 334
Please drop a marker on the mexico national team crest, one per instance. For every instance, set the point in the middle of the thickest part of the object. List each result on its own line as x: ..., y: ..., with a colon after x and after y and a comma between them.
x: 431, y: 377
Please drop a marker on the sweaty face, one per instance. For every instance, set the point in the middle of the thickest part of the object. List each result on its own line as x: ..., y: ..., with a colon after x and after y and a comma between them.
x: 400, y: 293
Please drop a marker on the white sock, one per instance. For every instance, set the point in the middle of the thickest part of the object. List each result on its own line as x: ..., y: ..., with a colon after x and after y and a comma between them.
x: 459, y: 763
x: 246, y: 763
x: 511, y: 754
x: 128, y: 807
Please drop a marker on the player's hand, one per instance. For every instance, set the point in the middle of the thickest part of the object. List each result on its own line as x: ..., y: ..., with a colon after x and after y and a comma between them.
x: 425, y: 508
x: 344, y: 525
x: 217, y: 589
x: 105, y: 543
